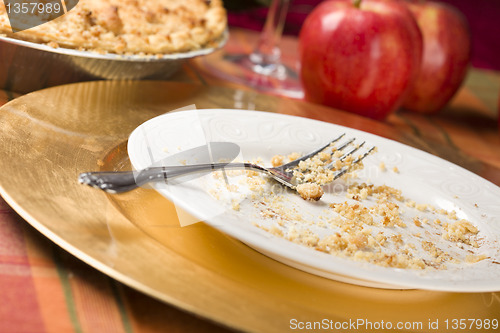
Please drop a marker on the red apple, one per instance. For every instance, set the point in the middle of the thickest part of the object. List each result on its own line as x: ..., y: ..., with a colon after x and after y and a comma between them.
x: 359, y: 56
x: 446, y: 56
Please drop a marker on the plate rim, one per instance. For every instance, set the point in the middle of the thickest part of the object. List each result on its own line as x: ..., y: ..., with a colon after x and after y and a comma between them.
x: 109, y: 56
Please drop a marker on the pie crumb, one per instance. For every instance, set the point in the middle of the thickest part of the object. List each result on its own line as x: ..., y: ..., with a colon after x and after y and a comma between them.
x: 310, y: 191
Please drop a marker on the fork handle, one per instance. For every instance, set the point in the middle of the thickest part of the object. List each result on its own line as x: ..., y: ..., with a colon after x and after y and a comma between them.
x: 122, y: 181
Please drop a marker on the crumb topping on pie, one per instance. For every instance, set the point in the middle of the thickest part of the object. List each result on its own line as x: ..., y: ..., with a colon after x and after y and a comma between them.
x: 130, y: 26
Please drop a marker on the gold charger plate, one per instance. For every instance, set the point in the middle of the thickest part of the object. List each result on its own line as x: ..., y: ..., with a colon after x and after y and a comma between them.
x: 48, y: 137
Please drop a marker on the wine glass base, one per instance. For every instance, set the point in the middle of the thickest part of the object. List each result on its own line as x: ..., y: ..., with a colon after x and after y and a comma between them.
x: 273, y: 78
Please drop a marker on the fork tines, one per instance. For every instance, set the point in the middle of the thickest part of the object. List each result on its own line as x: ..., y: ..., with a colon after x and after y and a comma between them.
x: 352, y: 149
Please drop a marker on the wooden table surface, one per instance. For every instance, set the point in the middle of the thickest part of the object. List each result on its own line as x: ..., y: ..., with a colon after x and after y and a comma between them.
x: 45, y: 289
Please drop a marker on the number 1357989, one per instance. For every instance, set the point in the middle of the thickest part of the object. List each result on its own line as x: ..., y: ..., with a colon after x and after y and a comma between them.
x: 33, y: 8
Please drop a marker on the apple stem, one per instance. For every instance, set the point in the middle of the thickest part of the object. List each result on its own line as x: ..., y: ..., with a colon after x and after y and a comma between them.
x: 356, y: 3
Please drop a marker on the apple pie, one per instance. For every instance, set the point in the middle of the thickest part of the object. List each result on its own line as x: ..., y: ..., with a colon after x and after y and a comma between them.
x: 130, y: 26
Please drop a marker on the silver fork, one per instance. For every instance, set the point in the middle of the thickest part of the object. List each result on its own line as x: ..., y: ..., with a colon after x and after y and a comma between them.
x: 123, y: 181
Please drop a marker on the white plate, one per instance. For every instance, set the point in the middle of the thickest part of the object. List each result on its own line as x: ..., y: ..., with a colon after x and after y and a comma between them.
x: 422, y: 177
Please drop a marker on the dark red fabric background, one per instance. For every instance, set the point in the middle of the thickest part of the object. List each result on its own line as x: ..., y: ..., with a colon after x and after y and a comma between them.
x: 483, y: 17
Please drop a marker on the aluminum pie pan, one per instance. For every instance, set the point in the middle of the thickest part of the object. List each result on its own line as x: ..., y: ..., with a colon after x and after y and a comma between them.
x: 29, y: 66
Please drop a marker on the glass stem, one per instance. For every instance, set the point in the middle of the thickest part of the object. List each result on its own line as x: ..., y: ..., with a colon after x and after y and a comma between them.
x: 267, y: 52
